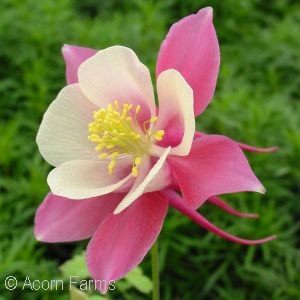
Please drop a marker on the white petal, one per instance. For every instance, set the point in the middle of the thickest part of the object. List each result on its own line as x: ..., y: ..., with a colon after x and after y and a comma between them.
x: 139, y: 187
x: 161, y: 180
x: 116, y: 73
x: 63, y: 133
x: 176, y: 107
x: 80, y: 179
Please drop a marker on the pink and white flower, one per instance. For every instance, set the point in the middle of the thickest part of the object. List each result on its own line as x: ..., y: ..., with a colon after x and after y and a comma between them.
x: 120, y: 161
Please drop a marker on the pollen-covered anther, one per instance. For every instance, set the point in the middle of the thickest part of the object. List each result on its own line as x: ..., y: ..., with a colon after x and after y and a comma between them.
x: 159, y: 135
x: 116, y: 132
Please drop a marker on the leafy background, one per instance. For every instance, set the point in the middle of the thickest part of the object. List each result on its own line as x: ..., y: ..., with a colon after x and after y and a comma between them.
x: 256, y: 101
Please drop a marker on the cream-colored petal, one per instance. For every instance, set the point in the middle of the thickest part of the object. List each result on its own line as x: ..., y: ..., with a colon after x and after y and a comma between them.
x: 63, y: 133
x: 116, y: 73
x: 176, y: 107
x: 140, y: 186
x: 161, y: 180
x: 80, y: 179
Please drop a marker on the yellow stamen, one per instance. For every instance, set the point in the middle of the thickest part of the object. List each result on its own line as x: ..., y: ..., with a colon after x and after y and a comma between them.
x: 137, y: 161
x: 116, y: 131
x: 135, y: 171
x: 153, y: 120
x: 103, y: 155
x: 111, y: 166
x: 159, y: 135
x: 117, y: 105
x: 114, y: 155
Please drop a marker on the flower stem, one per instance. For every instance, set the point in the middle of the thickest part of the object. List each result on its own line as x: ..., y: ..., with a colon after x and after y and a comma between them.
x: 155, y: 271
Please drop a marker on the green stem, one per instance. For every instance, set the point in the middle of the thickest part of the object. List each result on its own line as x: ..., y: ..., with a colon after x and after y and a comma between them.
x: 155, y: 270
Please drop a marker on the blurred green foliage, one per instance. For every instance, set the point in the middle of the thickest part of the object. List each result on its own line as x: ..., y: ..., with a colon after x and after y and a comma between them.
x: 76, y: 269
x: 256, y: 101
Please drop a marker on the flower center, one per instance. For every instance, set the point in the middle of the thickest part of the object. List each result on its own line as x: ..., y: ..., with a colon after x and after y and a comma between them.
x: 115, y: 132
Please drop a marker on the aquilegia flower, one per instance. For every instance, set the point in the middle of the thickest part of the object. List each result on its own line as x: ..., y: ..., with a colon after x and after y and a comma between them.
x: 120, y: 161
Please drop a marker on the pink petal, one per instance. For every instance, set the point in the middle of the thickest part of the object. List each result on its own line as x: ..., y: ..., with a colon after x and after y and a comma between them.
x: 177, y: 202
x: 198, y: 134
x: 60, y: 219
x: 223, y: 205
x: 244, y: 146
x: 191, y: 47
x: 258, y: 150
x: 74, y: 56
x: 122, y: 240
x: 216, y: 165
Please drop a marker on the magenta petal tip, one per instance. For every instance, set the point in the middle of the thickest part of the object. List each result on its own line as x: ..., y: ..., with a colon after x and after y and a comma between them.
x: 252, y: 242
x: 271, y: 149
x: 258, y: 150
x: 261, y: 189
x: 177, y: 202
x: 65, y: 48
x: 226, y: 207
x: 209, y: 11
x: 249, y: 215
x: 264, y: 240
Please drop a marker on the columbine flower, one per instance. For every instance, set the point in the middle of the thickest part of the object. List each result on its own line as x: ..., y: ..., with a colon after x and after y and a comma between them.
x: 124, y: 160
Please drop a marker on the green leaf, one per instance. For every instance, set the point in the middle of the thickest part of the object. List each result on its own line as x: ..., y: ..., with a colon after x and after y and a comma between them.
x: 97, y: 297
x: 139, y: 281
x: 76, y: 294
x: 123, y: 285
x: 76, y: 266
